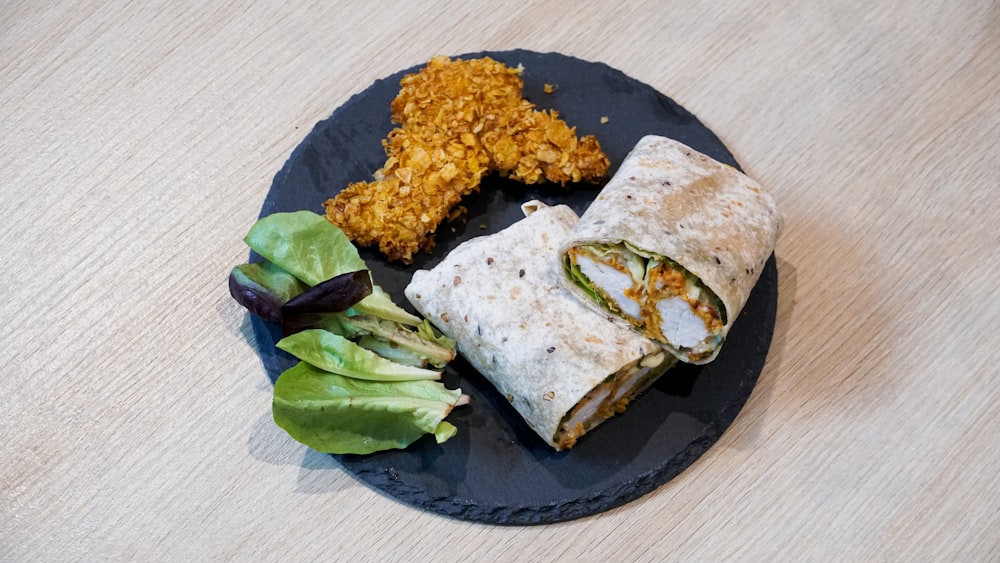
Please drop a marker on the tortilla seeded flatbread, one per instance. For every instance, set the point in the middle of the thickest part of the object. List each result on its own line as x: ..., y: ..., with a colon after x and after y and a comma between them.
x: 672, y: 246
x: 563, y: 366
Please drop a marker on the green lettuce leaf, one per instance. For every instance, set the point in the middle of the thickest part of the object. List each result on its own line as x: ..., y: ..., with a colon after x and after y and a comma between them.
x: 380, y: 305
x: 305, y: 245
x: 336, y: 414
x: 444, y: 431
x: 427, y: 332
x: 578, y: 277
x: 336, y: 354
x: 399, y: 343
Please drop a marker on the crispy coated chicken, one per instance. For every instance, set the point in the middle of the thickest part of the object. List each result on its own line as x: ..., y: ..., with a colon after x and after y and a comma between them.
x: 458, y: 121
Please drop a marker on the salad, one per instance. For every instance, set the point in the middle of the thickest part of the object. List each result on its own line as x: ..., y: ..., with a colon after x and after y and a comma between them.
x: 368, y: 377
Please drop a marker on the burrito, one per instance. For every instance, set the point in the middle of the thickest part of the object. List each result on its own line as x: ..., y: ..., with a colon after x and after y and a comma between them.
x: 672, y: 246
x: 564, y: 367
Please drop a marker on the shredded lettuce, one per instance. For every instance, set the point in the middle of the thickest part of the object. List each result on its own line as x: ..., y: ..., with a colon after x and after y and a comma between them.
x: 584, y: 282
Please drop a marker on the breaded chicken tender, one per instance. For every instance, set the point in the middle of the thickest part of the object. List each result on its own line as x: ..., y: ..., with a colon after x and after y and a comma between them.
x: 458, y: 121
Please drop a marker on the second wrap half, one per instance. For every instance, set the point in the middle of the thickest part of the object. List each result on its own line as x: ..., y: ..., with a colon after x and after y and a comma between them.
x: 673, y: 245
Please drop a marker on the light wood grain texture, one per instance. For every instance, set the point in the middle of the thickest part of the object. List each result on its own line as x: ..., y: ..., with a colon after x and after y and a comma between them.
x: 139, y: 140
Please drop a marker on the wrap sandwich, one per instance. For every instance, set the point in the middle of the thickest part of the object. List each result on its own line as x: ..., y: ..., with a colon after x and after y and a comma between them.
x: 564, y: 367
x: 672, y: 246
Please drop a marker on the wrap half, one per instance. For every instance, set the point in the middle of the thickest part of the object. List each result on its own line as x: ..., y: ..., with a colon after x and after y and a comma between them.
x: 672, y: 246
x: 564, y: 367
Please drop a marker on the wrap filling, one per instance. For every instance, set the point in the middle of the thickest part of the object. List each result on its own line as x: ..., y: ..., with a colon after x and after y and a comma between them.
x: 653, y: 293
x: 609, y: 398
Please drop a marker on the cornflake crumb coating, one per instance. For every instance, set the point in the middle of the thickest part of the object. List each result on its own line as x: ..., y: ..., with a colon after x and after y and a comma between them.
x: 458, y: 121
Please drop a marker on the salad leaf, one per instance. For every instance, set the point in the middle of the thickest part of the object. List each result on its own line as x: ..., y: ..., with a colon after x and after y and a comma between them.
x: 337, y: 323
x: 336, y: 414
x: 380, y: 305
x: 417, y: 348
x: 263, y: 288
x: 391, y: 351
x: 305, y: 245
x: 336, y: 354
x: 427, y: 332
x: 336, y: 294
x: 277, y: 296
x: 388, y: 339
x: 444, y: 431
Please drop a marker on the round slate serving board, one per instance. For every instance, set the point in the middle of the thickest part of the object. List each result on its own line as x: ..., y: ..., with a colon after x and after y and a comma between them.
x: 496, y: 470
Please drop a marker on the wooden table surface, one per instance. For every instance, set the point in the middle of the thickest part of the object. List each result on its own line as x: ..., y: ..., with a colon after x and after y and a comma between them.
x: 139, y: 141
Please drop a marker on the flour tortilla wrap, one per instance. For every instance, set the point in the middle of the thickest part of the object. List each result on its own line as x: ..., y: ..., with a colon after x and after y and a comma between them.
x: 564, y: 367
x: 672, y: 246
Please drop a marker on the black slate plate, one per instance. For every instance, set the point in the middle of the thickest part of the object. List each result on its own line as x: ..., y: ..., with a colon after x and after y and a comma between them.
x: 496, y: 470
